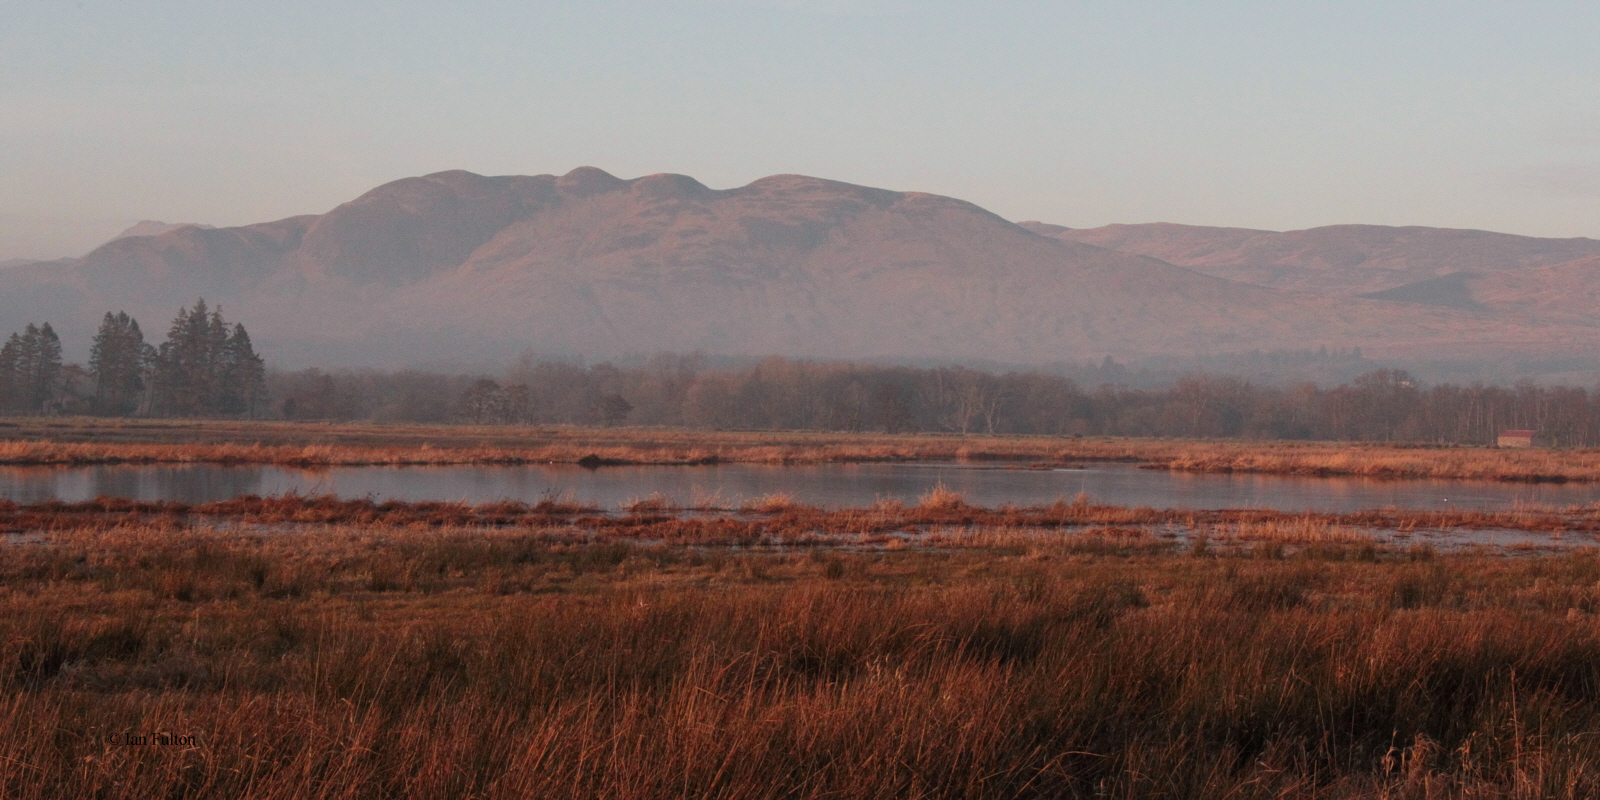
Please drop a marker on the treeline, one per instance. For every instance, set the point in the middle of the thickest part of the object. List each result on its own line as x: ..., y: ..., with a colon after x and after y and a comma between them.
x: 206, y: 367
x: 1382, y: 405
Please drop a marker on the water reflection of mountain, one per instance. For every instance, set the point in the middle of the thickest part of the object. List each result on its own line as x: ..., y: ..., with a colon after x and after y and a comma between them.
x: 187, y: 484
x: 31, y: 484
x: 839, y: 485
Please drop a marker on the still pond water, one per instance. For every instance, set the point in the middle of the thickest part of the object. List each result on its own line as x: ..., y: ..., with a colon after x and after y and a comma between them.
x: 833, y: 485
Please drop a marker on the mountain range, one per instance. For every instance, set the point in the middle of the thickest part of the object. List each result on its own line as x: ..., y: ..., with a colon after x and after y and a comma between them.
x: 461, y: 267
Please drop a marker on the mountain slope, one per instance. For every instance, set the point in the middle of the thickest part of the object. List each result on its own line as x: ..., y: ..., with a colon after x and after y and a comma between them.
x: 1567, y: 292
x: 810, y: 267
x: 471, y: 268
x: 151, y: 227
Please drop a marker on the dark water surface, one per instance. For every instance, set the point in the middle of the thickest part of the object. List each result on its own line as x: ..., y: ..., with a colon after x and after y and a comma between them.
x: 835, y: 485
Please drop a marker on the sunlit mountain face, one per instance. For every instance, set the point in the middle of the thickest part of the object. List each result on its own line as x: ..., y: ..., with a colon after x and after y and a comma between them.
x: 458, y: 266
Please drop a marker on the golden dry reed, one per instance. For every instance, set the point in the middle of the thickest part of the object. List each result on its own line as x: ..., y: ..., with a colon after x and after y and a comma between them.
x: 363, y: 661
x: 780, y: 520
x: 38, y: 441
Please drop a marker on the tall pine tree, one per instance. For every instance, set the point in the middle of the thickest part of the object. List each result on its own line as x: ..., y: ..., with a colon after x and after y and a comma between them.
x: 119, y: 360
x: 45, y: 385
x: 30, y: 370
x: 205, y: 368
x: 243, y: 375
x: 11, y: 378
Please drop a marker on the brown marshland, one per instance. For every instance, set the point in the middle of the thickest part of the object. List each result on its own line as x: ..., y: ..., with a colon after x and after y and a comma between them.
x: 95, y: 441
x: 326, y: 647
x: 549, y: 660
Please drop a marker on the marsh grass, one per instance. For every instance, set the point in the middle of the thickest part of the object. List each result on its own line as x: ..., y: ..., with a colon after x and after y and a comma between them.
x: 1328, y: 459
x: 773, y: 503
x: 941, y: 498
x: 780, y: 521
x: 656, y: 502
x: 355, y: 660
x: 79, y: 441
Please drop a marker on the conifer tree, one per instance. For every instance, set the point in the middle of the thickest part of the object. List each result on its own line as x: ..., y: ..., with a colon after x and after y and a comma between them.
x: 10, y: 374
x: 30, y: 370
x: 243, y: 375
x: 186, y: 364
x: 205, y: 368
x: 119, y: 360
x: 46, y: 376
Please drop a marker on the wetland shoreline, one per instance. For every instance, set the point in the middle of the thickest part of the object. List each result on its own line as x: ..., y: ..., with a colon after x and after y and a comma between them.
x: 87, y: 441
x: 316, y: 646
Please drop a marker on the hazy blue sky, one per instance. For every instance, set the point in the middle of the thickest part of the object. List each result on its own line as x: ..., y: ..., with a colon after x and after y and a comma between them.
x: 1274, y: 115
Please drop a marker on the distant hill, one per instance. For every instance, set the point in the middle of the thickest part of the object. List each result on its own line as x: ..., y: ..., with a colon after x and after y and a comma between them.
x: 151, y: 227
x: 1514, y: 279
x: 458, y: 266
x: 1340, y: 259
x: 1568, y: 291
x: 20, y: 262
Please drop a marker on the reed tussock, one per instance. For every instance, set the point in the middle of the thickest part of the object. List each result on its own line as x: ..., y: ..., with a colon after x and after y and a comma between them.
x: 354, y: 661
x: 774, y: 503
x: 941, y: 498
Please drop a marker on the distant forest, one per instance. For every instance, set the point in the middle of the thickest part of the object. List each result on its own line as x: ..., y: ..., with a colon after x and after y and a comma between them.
x: 207, y: 367
x: 777, y: 393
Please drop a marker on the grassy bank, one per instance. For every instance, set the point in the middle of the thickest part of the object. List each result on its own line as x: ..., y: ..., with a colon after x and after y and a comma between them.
x: 34, y: 441
x: 551, y: 660
x: 81, y: 441
x: 777, y: 520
